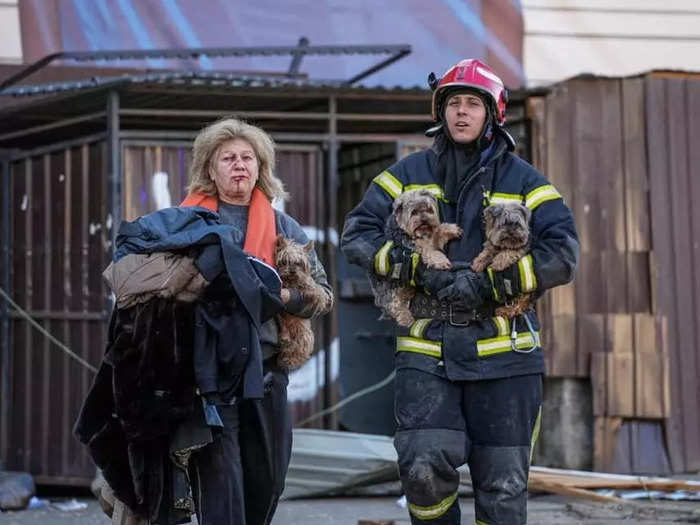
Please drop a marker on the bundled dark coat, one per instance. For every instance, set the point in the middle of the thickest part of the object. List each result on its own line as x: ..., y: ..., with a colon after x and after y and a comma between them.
x: 146, y: 384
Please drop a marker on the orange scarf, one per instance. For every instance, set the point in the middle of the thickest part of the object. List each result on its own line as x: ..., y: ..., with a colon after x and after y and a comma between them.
x: 261, y: 232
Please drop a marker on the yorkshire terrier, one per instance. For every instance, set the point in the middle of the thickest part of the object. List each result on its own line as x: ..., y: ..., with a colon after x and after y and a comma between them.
x: 507, y: 241
x: 296, y: 338
x: 414, y: 225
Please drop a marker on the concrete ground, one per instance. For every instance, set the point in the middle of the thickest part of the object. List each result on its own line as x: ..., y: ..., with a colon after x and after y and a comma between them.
x: 543, y: 510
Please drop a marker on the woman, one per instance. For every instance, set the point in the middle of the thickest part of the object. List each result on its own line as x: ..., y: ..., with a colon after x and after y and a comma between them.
x: 239, y: 477
x: 188, y: 410
x: 468, y: 382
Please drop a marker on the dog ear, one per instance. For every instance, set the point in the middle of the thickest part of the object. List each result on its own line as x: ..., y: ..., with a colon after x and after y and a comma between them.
x: 527, y: 213
x: 398, y: 207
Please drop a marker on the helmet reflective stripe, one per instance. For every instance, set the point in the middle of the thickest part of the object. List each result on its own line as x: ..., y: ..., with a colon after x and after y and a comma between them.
x: 488, y: 74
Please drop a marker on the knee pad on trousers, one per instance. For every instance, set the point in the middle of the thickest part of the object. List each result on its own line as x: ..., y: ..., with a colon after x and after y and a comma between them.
x: 499, y: 477
x: 428, y: 462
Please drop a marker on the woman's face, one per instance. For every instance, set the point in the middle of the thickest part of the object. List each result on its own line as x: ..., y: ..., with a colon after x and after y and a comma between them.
x: 235, y: 171
x: 465, y: 115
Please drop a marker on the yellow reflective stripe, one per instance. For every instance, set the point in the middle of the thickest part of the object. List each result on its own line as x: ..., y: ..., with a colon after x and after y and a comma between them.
x: 418, y: 327
x: 535, y: 432
x: 381, y: 260
x: 434, y: 511
x: 391, y: 184
x: 436, y: 190
x: 479, y: 522
x: 502, y: 344
x: 540, y: 195
x: 489, y: 271
x: 528, y: 281
x: 500, y: 198
x: 502, y: 325
x: 415, y: 259
x: 419, y: 346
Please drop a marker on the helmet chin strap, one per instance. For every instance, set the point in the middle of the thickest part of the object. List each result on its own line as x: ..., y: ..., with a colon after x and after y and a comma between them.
x: 431, y: 132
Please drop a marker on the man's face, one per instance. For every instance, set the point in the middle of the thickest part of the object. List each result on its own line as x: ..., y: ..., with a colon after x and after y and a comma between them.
x: 465, y: 114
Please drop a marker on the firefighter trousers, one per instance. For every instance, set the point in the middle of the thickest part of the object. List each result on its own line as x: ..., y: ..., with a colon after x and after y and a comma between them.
x: 238, y: 478
x: 489, y: 424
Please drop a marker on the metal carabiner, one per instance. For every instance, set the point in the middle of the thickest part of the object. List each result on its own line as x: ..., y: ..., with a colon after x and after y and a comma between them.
x: 533, y: 333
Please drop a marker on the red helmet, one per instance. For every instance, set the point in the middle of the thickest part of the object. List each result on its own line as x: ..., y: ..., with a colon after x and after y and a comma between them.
x: 474, y: 74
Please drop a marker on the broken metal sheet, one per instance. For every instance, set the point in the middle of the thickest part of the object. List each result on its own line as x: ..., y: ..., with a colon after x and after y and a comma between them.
x: 326, y: 462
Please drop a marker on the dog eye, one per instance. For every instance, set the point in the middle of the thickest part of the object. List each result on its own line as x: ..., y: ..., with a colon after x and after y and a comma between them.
x: 414, y: 212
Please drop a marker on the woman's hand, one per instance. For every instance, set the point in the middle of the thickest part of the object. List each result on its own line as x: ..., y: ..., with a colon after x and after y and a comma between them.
x: 285, y: 295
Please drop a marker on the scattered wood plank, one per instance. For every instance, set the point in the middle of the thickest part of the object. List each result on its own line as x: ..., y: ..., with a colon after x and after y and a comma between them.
x: 567, y: 490
x: 559, y: 481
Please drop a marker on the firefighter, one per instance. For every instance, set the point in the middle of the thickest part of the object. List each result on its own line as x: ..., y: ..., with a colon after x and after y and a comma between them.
x: 468, y: 383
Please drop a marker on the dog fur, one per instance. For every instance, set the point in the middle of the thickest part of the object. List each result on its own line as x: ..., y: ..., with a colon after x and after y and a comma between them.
x: 507, y: 241
x: 296, y: 338
x: 415, y: 225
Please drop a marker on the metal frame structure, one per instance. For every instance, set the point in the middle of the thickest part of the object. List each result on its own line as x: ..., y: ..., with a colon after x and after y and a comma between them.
x: 297, y: 52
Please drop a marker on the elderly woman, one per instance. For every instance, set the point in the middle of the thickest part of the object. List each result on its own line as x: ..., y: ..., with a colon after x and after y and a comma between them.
x: 188, y: 410
x: 232, y: 173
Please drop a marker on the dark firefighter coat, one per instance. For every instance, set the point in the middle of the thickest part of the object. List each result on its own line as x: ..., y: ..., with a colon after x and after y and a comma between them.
x: 492, y: 347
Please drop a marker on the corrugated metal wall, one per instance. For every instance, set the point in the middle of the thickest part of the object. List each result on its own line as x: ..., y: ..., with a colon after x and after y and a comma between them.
x: 57, y: 247
x: 619, y: 150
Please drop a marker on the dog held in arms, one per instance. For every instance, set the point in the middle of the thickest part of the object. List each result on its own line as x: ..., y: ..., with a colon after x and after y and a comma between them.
x: 507, y: 241
x: 296, y: 338
x: 414, y: 225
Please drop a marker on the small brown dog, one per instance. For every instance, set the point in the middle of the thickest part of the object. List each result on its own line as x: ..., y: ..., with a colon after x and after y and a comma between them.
x: 414, y: 224
x: 507, y: 241
x: 296, y: 338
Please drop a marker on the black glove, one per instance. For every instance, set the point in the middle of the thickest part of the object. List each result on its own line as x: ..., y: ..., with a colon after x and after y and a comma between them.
x: 469, y: 289
x: 433, y: 281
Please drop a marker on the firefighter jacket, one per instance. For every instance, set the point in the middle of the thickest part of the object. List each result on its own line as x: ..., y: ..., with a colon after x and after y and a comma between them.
x: 488, y: 347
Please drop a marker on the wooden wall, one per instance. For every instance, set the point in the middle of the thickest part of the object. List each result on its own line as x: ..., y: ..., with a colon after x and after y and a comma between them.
x: 620, y: 151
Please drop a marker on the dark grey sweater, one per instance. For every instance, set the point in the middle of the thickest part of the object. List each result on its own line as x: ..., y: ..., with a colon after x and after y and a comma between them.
x: 237, y: 216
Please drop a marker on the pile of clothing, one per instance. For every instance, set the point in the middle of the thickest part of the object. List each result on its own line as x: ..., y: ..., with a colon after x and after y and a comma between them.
x: 183, y: 337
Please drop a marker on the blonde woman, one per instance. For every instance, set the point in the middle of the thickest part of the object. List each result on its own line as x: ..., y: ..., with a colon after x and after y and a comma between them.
x: 232, y: 173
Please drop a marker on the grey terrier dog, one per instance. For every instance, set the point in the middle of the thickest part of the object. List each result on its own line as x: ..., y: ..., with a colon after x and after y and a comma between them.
x: 415, y: 226
x: 507, y: 241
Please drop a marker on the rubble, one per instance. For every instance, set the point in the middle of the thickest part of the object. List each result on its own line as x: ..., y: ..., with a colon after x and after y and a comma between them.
x: 610, y: 488
x: 16, y: 489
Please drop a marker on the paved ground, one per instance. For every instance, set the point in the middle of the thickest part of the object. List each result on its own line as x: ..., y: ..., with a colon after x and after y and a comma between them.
x: 543, y: 510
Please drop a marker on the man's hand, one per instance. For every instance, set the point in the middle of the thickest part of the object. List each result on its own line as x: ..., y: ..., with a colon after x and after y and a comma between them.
x: 467, y: 289
x: 433, y: 281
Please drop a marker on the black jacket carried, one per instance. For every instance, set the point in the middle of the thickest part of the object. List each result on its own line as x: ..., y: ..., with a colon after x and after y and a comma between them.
x: 483, y: 349
x: 158, y: 352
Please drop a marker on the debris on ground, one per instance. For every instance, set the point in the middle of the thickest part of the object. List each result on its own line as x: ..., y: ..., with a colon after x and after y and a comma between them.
x: 331, y: 463
x: 16, y: 489
x: 327, y: 462
x: 610, y: 488
x: 70, y: 505
x: 634, y: 512
x: 37, y: 503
